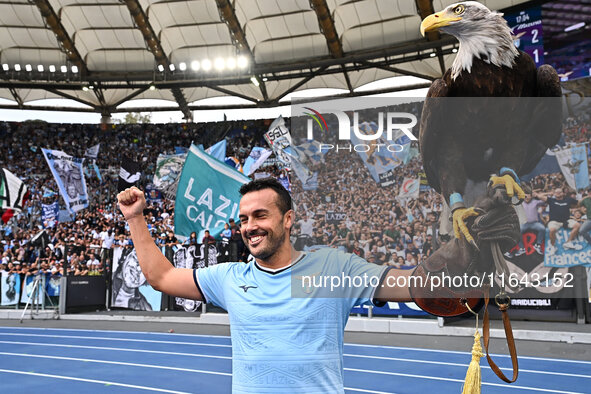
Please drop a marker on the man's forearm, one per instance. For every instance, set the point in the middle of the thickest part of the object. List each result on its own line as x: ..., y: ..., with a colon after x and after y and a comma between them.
x: 395, y: 286
x: 151, y: 259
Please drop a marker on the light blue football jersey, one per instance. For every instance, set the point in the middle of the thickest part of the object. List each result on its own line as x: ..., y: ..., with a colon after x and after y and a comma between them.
x: 283, y: 342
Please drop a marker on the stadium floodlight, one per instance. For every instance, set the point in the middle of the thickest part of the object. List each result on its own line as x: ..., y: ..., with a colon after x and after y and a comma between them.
x: 219, y: 64
x: 171, y: 67
x: 51, y: 68
x: 75, y: 69
x: 254, y: 81
x: 432, y: 54
x: 206, y: 64
x: 231, y: 63
x: 455, y: 50
x: 160, y: 68
x: 5, y: 67
x: 265, y: 79
x: 195, y: 65
x: 152, y: 86
x: 182, y: 66
x: 91, y: 87
x: 85, y: 88
x: 28, y: 68
x: 242, y: 62
x: 40, y: 68
x: 64, y: 69
x: 17, y: 67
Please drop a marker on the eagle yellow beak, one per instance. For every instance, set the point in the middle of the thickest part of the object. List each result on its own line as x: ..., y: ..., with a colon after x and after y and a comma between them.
x: 435, y: 21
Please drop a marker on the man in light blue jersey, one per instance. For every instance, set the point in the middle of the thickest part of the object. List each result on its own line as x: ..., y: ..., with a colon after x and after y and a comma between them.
x: 287, y: 312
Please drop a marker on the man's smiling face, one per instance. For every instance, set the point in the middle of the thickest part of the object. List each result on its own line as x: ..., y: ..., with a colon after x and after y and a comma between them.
x: 264, y: 228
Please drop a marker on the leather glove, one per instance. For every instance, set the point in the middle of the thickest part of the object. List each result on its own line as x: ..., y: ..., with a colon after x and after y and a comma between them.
x: 497, y: 222
x: 500, y: 224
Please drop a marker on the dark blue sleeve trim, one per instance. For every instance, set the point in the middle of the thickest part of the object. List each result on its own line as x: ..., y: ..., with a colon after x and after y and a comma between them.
x: 198, y: 287
x: 373, y: 300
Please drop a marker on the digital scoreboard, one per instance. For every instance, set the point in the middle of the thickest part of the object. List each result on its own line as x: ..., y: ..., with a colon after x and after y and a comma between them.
x: 526, y: 27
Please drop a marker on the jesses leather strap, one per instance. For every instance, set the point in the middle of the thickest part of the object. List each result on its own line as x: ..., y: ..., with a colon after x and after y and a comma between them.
x: 508, y: 334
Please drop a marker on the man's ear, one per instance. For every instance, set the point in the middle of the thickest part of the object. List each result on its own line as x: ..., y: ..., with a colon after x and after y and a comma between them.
x: 289, y: 219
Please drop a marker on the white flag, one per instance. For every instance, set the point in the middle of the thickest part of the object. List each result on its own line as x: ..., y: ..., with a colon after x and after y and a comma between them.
x: 409, y: 189
x: 93, y: 151
x: 13, y: 191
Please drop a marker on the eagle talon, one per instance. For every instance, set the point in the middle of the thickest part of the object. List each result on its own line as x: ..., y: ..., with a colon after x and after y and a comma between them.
x: 458, y: 217
x: 511, y: 186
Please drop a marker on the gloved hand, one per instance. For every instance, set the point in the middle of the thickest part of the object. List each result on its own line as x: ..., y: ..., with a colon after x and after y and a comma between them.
x: 496, y: 223
x: 500, y: 224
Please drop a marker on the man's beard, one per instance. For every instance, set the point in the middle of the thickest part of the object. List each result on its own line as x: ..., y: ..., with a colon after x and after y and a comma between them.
x: 273, y: 244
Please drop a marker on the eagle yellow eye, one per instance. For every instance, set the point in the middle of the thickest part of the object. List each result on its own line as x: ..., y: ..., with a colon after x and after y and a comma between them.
x: 459, y: 9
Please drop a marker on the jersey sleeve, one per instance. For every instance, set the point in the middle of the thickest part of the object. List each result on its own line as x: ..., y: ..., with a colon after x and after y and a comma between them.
x: 365, y: 279
x: 211, y: 282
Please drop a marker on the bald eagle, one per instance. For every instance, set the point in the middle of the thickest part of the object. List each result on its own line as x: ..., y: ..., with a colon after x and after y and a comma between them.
x: 496, y: 135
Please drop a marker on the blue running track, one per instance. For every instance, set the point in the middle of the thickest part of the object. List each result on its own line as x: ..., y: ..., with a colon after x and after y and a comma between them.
x: 34, y: 360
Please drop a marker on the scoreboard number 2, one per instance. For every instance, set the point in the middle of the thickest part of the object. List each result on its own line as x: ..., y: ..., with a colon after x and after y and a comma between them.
x: 534, y: 39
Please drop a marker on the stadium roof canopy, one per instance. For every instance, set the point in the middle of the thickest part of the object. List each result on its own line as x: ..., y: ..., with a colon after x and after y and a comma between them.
x: 104, y: 53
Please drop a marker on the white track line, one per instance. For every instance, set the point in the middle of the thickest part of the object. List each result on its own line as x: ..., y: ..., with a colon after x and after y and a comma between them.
x: 116, y: 339
x: 115, y: 348
x: 92, y: 360
x: 461, y: 381
x: 104, y: 382
x: 154, y: 366
x: 468, y: 353
x: 225, y: 357
x: 369, y: 391
x: 116, y: 331
x: 465, y: 365
x: 346, y: 344
x: 229, y: 346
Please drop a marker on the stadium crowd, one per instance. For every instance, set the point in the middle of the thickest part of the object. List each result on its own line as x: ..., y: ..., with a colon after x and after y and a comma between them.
x: 377, y: 225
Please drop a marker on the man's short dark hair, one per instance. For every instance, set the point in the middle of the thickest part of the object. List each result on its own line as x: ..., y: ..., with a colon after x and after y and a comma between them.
x: 283, y: 197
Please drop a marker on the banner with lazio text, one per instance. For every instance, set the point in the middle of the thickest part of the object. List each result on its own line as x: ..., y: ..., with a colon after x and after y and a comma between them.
x: 68, y: 173
x: 207, y: 195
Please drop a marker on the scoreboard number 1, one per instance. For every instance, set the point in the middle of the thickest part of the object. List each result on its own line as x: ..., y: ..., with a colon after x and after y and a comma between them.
x: 536, y: 56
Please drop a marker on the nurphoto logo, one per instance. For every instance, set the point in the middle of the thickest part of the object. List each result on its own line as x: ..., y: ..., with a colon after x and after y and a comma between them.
x: 395, y: 122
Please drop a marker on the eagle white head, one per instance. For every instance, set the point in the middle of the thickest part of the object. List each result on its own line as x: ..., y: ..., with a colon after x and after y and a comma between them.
x: 482, y: 34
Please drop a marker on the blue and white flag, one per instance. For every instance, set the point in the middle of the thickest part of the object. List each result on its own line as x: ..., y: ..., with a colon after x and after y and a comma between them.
x: 218, y: 150
x: 409, y: 189
x: 379, y: 160
x: 50, y: 214
x: 181, y: 150
x: 68, y: 173
x: 52, y: 285
x: 93, y: 151
x: 153, y: 194
x: 10, y: 288
x: 97, y: 171
x: 285, y: 182
x: 311, y: 183
x: 256, y: 158
x: 279, y: 139
x: 313, y: 151
x: 168, y: 171
x: 573, y: 165
x: 28, y: 294
x: 47, y: 192
x: 207, y: 196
